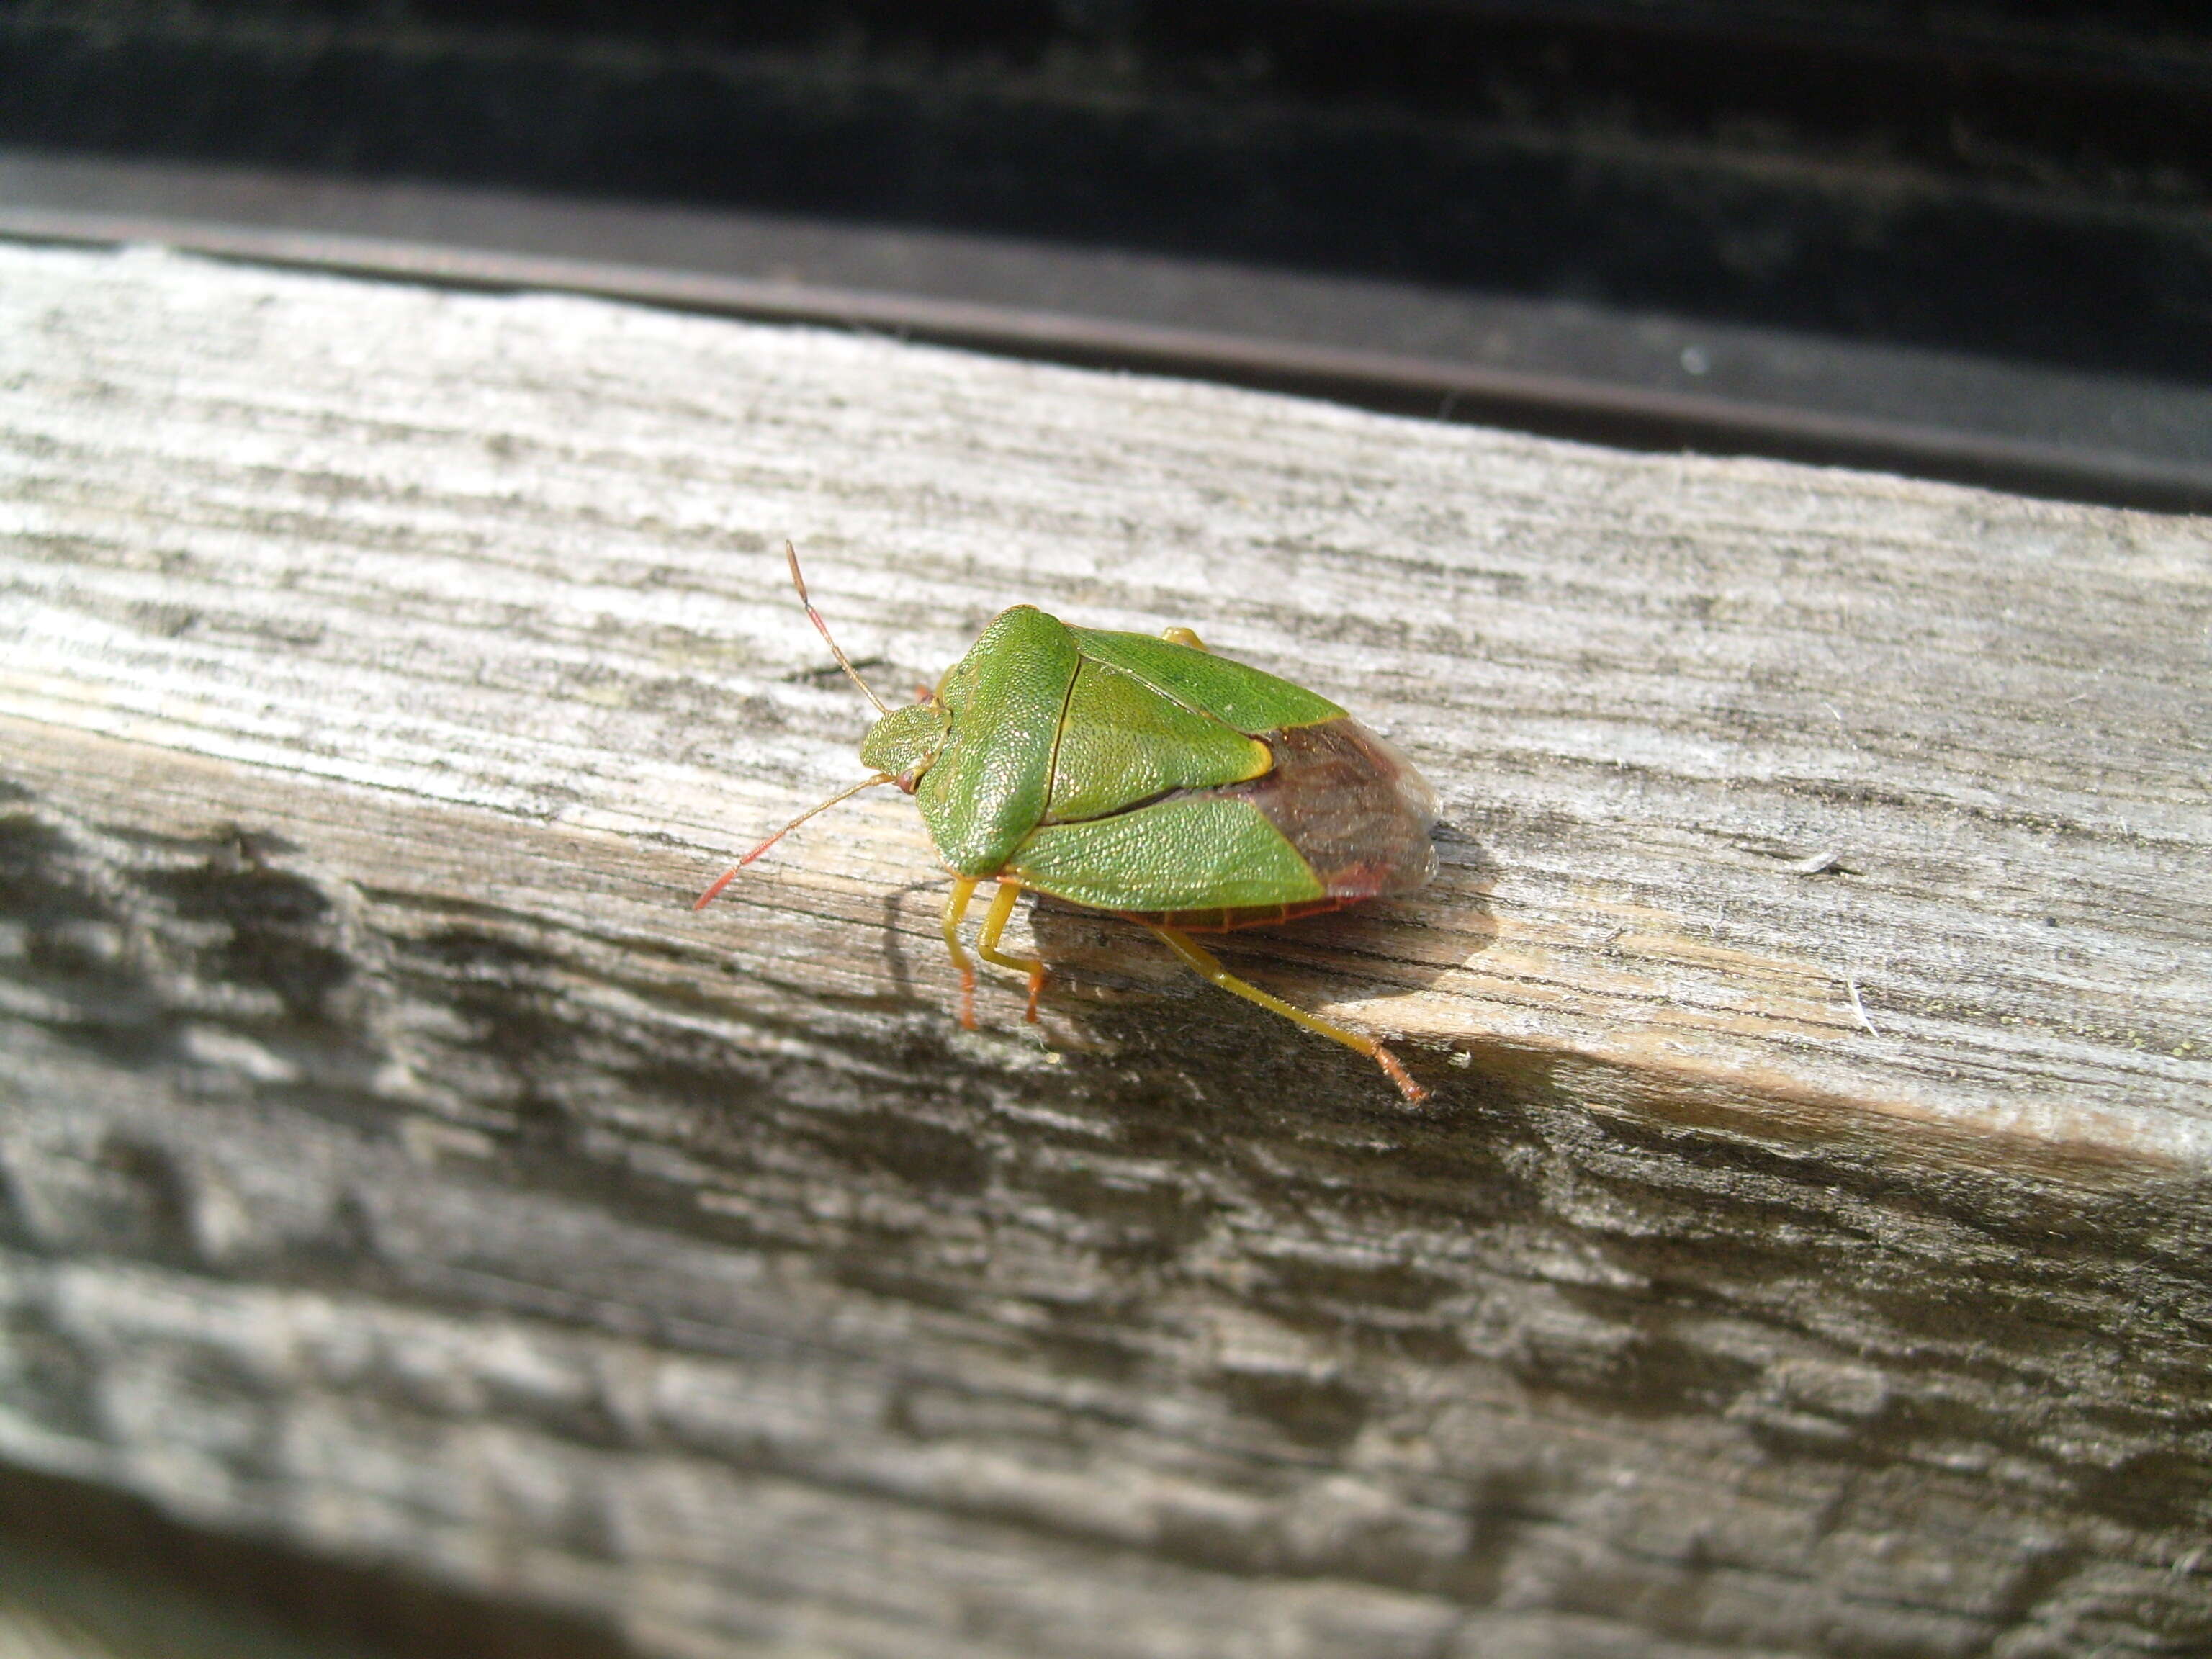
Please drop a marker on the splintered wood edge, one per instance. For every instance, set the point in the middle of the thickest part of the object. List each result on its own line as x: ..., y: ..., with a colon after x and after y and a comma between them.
x: 636, y: 881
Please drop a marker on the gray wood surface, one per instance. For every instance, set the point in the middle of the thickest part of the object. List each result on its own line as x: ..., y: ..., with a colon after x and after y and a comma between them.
x: 1805, y: 1251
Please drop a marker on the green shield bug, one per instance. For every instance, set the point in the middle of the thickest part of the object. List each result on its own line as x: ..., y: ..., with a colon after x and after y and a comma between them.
x: 1147, y: 777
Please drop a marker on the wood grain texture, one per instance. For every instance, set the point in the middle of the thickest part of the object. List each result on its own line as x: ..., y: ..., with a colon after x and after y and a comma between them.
x: 1804, y: 1252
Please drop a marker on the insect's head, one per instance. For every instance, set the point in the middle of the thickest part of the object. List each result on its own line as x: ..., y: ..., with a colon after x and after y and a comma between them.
x: 904, y: 743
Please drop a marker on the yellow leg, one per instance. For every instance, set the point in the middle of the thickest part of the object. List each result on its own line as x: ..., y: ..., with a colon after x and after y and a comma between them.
x: 956, y: 907
x: 987, y: 944
x: 1205, y: 963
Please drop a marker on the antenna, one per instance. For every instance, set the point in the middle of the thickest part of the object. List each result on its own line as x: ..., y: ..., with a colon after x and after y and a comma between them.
x: 823, y: 628
x: 791, y: 554
x: 724, y: 879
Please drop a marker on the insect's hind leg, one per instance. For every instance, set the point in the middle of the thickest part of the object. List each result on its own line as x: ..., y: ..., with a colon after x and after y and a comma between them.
x: 956, y: 907
x: 987, y: 944
x: 1204, y: 962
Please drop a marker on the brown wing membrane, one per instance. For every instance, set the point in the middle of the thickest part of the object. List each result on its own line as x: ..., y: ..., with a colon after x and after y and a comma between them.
x: 1352, y: 805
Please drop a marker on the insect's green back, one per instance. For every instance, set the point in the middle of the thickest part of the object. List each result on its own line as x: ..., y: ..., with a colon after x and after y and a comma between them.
x: 987, y: 788
x: 1192, y: 853
x: 1041, y: 724
x: 1246, y: 699
x: 1122, y: 742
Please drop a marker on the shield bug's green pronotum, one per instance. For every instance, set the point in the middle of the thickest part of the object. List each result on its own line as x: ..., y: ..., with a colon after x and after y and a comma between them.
x: 1146, y: 777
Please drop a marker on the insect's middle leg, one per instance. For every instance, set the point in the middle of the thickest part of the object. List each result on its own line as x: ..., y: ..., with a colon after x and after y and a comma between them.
x: 956, y: 909
x: 987, y: 944
x: 1207, y: 965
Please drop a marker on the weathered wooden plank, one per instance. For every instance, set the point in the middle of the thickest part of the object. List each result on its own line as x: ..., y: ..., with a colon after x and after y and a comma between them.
x: 1804, y: 1250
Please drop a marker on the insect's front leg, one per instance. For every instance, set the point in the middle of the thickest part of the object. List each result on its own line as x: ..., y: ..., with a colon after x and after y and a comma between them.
x: 987, y: 944
x: 956, y: 909
x: 1207, y: 965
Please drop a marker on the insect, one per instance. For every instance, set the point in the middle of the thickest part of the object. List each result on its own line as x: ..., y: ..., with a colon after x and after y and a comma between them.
x: 1144, y: 777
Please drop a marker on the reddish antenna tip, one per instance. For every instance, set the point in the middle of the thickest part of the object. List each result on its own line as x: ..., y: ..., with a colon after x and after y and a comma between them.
x: 721, y: 881
x: 730, y: 874
x: 1397, y: 1074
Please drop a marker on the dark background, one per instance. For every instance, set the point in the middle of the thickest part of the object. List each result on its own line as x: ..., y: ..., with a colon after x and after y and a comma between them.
x: 2024, y: 185
x: 1990, y: 221
x: 2021, y: 180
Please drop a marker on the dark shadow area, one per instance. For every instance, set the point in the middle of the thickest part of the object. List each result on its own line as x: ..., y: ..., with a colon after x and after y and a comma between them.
x: 192, y: 1595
